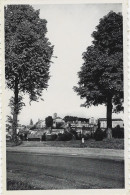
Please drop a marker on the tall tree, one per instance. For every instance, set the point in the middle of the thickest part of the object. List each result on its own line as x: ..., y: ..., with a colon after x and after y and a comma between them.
x: 49, y: 121
x: 27, y: 54
x: 31, y: 122
x: 101, y: 75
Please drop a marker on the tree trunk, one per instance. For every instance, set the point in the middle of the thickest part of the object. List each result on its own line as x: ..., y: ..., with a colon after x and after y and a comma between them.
x: 15, y: 114
x: 109, y: 117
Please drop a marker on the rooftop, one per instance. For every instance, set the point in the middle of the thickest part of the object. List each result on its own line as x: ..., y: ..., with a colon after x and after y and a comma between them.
x: 115, y: 119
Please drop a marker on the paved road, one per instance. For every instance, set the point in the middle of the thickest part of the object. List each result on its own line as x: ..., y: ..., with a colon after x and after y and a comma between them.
x: 47, y: 171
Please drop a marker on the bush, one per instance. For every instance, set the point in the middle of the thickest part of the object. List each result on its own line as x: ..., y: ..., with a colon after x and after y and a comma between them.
x: 74, y: 134
x: 23, y: 136
x: 104, y: 133
x: 50, y: 137
x: 15, y: 141
x: 98, y: 135
x: 34, y: 137
x: 54, y: 136
x: 44, y: 137
x: 86, y: 136
x: 118, y: 132
x: 64, y: 137
x: 78, y: 136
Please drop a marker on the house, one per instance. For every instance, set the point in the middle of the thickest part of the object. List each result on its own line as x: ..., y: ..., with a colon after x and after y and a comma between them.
x: 115, y: 122
x: 93, y: 121
x: 77, y: 123
x: 40, y: 124
x: 57, y: 131
x: 58, y: 122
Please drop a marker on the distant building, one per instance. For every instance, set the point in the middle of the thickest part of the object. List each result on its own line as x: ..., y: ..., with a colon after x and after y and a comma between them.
x: 54, y: 115
x: 31, y: 122
x: 115, y: 122
x: 58, y: 121
x: 29, y: 126
x: 78, y: 123
x: 92, y: 120
x: 40, y: 124
x: 56, y: 131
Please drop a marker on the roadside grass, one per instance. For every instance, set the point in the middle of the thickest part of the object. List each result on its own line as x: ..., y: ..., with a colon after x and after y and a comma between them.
x: 18, y: 185
x: 11, y: 143
x: 91, y: 143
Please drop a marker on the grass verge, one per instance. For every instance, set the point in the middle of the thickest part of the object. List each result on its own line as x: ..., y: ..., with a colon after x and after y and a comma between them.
x: 18, y: 185
x: 91, y: 143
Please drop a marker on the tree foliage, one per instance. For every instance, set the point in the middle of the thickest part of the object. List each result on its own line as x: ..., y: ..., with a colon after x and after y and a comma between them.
x: 49, y: 121
x: 28, y: 55
x: 31, y: 122
x: 108, y: 36
x: 75, y: 119
x: 101, y: 75
x: 27, y: 50
x: 20, y: 104
x: 102, y: 72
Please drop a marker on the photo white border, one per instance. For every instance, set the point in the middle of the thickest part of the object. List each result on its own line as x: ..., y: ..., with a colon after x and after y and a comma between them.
x: 126, y: 126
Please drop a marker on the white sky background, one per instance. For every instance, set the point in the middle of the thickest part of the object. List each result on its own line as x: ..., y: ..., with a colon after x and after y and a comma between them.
x: 69, y: 30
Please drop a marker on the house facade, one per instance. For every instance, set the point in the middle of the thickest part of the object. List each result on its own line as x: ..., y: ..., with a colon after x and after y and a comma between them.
x: 40, y: 124
x: 58, y: 121
x: 115, y: 122
x: 57, y: 131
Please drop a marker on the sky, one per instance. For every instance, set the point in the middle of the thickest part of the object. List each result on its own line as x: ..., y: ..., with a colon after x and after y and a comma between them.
x: 69, y: 30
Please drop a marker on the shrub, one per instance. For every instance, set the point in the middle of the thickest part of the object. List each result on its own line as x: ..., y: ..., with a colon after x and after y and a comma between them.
x: 50, y: 137
x: 74, y: 134
x: 44, y: 137
x: 23, y: 136
x: 98, y: 135
x: 86, y: 136
x: 118, y: 132
x: 73, y: 137
x: 78, y: 136
x: 64, y: 137
x: 34, y: 137
x: 104, y: 133
x: 59, y: 125
x: 54, y: 136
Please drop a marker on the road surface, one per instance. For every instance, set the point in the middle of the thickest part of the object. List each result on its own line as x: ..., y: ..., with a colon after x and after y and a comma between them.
x: 56, y: 171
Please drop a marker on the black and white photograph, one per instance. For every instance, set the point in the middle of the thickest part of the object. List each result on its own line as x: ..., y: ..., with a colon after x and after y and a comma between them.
x: 64, y: 96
